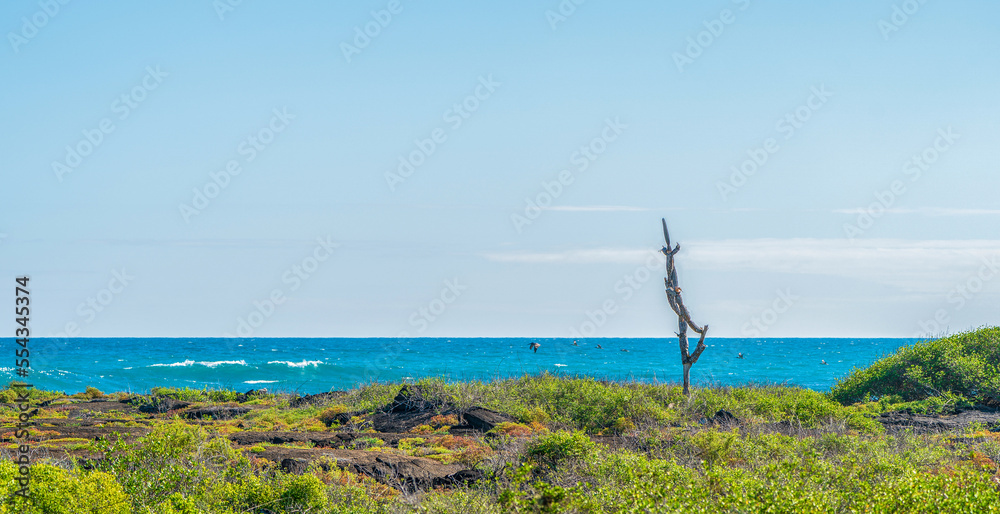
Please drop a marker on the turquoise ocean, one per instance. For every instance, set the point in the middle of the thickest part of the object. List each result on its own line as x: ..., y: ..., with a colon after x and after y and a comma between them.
x: 311, y: 365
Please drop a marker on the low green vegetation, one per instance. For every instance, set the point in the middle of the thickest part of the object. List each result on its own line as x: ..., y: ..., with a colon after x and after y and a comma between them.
x: 605, y: 408
x: 575, y: 445
x: 189, y: 394
x: 959, y: 370
x: 9, y: 394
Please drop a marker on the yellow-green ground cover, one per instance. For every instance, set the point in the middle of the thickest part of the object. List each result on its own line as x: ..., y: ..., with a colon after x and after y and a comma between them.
x: 578, y: 445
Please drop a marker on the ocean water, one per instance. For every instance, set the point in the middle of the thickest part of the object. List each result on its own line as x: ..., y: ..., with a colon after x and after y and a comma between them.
x: 311, y: 365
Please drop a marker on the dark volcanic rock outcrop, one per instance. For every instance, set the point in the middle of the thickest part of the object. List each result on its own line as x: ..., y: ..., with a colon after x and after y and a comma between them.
x: 901, y: 421
x: 411, y: 408
x: 315, y: 400
x: 484, y: 420
x: 160, y: 405
x: 724, y: 418
x: 216, y: 412
x: 412, y: 399
x: 399, y: 471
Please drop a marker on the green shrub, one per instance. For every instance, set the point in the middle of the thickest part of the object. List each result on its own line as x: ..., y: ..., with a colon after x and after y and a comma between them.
x: 920, y: 492
x: 368, y: 442
x: 189, y: 394
x: 714, y: 446
x: 155, y: 466
x: 965, y: 364
x: 304, y: 492
x: 554, y: 447
x: 409, y: 443
x: 177, y: 503
x: 9, y: 393
x: 245, y: 491
x: 57, y: 491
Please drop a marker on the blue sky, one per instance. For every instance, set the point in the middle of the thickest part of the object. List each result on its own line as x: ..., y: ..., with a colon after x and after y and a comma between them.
x: 870, y: 209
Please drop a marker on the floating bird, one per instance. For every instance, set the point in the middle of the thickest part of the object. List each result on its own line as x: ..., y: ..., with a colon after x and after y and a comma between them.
x: 823, y: 362
x: 624, y: 350
x: 740, y: 356
x: 599, y: 347
x: 534, y: 346
x: 574, y: 343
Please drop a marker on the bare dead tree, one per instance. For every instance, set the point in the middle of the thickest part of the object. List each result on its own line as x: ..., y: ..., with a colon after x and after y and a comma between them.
x: 683, y: 316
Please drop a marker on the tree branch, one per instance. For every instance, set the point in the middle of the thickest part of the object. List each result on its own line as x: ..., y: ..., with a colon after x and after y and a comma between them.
x: 701, y: 346
x: 676, y: 302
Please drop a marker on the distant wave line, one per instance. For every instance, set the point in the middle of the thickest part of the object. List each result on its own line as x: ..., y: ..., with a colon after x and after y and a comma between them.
x: 210, y: 364
x: 302, y: 364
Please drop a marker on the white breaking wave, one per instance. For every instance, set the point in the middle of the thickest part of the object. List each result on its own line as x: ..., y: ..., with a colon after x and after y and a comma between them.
x: 220, y: 363
x: 302, y: 364
x: 173, y: 365
x: 259, y: 381
x: 210, y: 364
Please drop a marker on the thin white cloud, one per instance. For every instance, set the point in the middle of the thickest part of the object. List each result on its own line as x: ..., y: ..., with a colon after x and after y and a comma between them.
x: 917, y: 266
x: 599, y: 208
x: 629, y: 208
x: 928, y: 211
x: 226, y: 243
x: 591, y: 256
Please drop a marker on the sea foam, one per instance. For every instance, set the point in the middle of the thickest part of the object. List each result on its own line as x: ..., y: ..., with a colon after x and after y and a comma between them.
x: 302, y: 364
x: 210, y: 364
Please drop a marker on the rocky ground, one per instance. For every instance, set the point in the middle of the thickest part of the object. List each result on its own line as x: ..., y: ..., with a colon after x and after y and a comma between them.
x: 292, y: 450
x: 88, y: 420
x: 900, y: 421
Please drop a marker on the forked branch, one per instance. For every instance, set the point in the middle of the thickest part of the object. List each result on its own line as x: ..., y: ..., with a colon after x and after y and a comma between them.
x: 683, y: 315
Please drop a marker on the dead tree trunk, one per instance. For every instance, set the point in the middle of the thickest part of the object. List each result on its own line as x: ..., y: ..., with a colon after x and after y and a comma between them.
x: 683, y: 316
